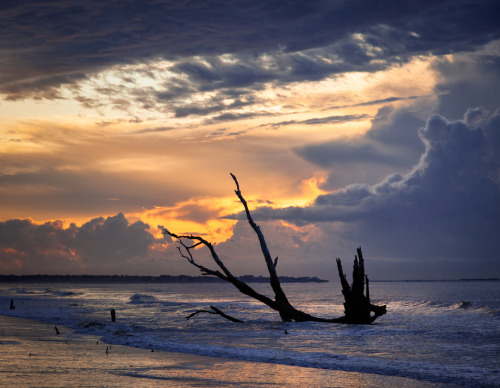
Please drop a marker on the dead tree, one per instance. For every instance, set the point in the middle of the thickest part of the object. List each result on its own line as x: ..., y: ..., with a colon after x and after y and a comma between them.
x: 357, y: 306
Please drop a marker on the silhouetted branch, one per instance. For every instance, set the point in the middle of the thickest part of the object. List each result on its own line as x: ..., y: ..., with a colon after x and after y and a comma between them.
x: 241, y: 286
x: 215, y: 311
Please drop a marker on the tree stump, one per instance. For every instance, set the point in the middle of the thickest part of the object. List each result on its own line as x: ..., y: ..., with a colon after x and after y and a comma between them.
x: 357, y: 306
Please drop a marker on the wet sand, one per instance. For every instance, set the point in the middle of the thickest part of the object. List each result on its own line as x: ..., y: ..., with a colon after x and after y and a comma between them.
x: 33, y: 355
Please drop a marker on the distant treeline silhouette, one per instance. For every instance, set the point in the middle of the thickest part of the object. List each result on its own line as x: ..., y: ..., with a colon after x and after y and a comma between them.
x: 145, y: 279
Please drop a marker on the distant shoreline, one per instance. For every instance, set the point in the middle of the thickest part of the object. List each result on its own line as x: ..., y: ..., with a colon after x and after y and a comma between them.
x: 162, y: 279
x: 127, y: 279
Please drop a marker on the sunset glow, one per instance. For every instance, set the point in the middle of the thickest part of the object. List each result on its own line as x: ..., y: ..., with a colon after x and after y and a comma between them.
x: 317, y: 125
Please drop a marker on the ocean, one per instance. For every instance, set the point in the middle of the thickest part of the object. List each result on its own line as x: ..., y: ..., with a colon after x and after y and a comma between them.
x: 439, y: 331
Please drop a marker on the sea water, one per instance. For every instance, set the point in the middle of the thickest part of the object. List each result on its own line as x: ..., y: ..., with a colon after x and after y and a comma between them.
x: 443, y: 332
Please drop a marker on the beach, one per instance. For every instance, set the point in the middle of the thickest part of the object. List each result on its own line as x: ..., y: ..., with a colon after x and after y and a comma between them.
x: 34, y: 355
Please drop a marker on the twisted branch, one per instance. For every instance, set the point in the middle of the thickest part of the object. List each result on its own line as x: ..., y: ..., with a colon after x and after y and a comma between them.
x: 215, y: 311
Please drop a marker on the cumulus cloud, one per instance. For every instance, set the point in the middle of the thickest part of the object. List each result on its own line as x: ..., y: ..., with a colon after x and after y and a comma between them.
x: 392, y: 142
x: 109, y: 245
x: 447, y: 207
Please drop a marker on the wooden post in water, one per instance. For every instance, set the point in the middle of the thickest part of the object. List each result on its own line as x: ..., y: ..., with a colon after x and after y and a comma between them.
x: 113, y: 315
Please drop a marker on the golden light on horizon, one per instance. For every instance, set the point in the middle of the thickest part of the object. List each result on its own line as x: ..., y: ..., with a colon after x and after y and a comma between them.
x: 204, y: 216
x: 113, y: 131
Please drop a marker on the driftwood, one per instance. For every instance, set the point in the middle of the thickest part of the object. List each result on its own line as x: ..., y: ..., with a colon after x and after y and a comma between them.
x: 357, y: 305
x: 215, y: 311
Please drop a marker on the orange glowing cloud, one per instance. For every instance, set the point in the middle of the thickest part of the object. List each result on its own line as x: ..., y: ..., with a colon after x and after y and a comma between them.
x: 205, y: 215
x: 195, y: 216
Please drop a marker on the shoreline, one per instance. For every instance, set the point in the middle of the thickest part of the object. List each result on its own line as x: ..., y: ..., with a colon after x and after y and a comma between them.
x: 32, y: 354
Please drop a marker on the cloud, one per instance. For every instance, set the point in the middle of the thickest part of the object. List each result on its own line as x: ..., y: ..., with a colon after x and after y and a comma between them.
x: 301, y: 252
x: 192, y: 73
x: 216, y: 105
x: 88, y: 169
x: 439, y: 219
x: 50, y: 189
x: 109, y: 245
x: 392, y: 142
x: 447, y: 207
x: 322, y: 120
x: 468, y: 81
x: 374, y: 102
x: 47, y: 45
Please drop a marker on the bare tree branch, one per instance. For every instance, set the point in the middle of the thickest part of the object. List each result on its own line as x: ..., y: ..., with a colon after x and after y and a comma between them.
x: 215, y: 311
x: 241, y: 286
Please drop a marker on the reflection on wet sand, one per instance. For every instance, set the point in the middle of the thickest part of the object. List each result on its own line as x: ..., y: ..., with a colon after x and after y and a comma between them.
x: 31, y: 354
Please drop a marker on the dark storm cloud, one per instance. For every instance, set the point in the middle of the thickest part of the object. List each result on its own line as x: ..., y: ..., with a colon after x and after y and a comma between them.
x: 99, y: 246
x: 465, y: 82
x: 216, y: 105
x: 344, y: 151
x: 393, y: 143
x: 215, y: 74
x: 48, y: 44
x: 447, y: 206
x: 392, y: 140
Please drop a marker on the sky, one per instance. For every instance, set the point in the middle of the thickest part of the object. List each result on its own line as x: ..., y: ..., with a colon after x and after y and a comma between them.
x: 347, y: 123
